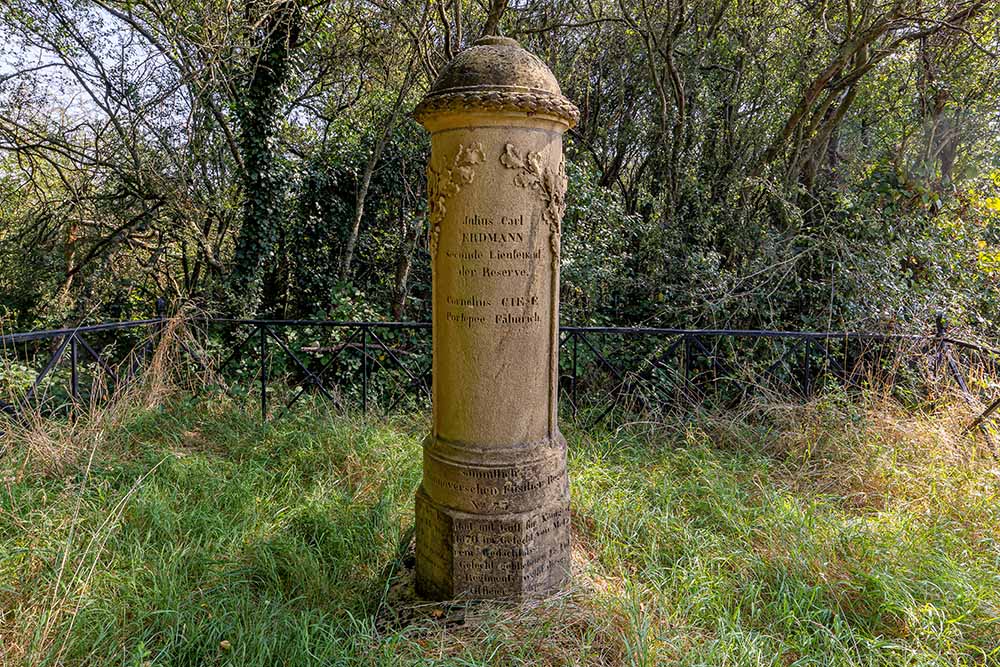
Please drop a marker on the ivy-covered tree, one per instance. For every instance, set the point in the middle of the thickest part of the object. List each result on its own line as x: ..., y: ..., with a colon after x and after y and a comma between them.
x: 275, y: 29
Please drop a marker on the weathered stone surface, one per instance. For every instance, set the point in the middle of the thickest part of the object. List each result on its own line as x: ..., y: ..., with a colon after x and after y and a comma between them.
x: 493, y: 508
x: 497, y: 75
x: 483, y: 556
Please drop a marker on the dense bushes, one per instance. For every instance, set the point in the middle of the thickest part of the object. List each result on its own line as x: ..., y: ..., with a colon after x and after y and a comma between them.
x: 732, y: 166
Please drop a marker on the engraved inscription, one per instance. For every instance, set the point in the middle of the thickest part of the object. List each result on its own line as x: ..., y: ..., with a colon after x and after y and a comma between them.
x: 499, y: 556
x: 494, y: 248
x: 433, y: 549
x: 502, y: 489
x: 489, y: 249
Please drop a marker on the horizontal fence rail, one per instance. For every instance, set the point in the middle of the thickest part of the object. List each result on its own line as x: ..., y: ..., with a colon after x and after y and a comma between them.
x: 387, y: 365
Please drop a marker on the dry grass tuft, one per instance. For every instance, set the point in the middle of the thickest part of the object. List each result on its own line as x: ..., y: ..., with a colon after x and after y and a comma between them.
x: 50, y: 447
x: 867, y: 449
x: 37, y: 613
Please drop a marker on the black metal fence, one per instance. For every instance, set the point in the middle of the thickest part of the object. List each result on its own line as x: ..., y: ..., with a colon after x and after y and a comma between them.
x: 72, y: 350
x: 385, y: 365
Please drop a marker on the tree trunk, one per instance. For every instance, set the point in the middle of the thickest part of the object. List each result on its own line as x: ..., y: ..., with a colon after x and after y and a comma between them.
x: 263, y: 185
x: 366, y: 178
x: 404, y: 263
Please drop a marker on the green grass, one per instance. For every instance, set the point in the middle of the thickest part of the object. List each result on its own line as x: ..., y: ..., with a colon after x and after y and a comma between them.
x: 189, y: 534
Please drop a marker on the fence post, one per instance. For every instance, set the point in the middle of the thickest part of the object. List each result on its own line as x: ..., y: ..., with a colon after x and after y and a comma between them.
x: 807, y: 384
x: 74, y: 376
x: 940, y: 331
x: 161, y: 315
x: 263, y: 373
x: 687, y: 359
x: 573, y: 387
x: 364, y: 370
x: 844, y: 372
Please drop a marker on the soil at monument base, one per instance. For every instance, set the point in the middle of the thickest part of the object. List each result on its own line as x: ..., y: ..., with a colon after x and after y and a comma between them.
x: 400, y: 607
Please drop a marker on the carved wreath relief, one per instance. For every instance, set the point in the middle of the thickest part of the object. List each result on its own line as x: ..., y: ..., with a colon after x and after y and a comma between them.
x: 444, y: 182
x: 550, y: 185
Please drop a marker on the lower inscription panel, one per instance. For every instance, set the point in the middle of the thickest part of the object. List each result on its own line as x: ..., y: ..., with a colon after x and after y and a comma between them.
x: 462, y: 555
x: 497, y: 489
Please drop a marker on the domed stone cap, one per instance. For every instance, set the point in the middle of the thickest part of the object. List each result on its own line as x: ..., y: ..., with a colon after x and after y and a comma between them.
x: 496, y: 74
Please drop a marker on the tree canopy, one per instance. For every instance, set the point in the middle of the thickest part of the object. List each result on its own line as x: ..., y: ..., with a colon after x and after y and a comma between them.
x: 792, y: 163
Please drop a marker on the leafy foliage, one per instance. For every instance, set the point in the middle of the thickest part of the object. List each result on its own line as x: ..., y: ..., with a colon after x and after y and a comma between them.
x: 765, y: 163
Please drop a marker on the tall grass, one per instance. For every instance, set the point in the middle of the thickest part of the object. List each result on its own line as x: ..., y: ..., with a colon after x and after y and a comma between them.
x: 168, y: 530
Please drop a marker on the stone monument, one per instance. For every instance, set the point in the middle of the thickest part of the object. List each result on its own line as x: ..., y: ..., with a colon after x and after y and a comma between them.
x: 492, y: 513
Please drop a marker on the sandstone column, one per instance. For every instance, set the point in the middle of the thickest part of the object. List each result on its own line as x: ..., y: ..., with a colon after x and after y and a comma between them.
x: 493, y: 508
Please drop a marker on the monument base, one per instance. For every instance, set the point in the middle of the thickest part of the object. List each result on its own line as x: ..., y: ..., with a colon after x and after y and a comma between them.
x: 475, y: 556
